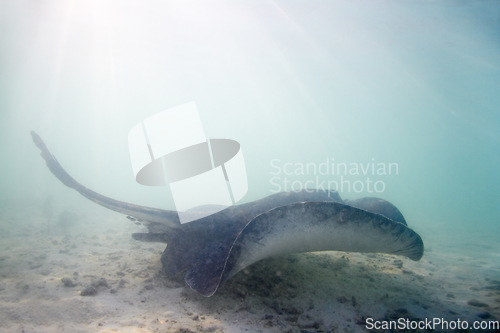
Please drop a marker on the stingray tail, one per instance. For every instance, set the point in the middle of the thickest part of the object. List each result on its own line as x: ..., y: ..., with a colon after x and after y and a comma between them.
x: 160, y: 219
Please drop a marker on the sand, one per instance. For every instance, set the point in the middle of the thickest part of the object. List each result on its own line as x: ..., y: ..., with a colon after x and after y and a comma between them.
x: 86, y: 274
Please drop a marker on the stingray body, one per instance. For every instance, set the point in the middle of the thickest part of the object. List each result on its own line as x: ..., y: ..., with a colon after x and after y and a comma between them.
x: 210, y: 250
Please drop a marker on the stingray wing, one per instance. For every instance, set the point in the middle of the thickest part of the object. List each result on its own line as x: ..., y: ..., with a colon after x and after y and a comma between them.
x: 302, y: 227
x: 378, y: 206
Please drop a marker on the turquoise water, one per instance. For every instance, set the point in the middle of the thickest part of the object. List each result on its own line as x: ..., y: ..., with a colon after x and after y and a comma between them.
x: 360, y: 84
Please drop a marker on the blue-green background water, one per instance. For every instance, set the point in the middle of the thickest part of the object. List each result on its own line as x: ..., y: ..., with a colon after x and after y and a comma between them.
x: 411, y: 82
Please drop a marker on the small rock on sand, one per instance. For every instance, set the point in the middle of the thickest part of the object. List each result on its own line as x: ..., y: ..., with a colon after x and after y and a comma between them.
x: 68, y: 282
x: 484, y: 315
x: 100, y: 283
x: 477, y: 303
x: 88, y: 291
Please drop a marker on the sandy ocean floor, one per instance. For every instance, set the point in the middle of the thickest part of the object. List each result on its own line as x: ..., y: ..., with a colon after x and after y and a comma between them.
x: 86, y: 274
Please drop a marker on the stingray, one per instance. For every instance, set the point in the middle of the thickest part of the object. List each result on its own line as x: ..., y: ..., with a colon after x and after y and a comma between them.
x: 210, y: 250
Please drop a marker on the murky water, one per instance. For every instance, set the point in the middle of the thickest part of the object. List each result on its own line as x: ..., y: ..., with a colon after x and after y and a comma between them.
x: 397, y: 100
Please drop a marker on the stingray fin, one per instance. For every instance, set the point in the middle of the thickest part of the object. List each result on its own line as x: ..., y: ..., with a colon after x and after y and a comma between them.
x: 378, y: 206
x: 302, y: 227
x: 150, y: 237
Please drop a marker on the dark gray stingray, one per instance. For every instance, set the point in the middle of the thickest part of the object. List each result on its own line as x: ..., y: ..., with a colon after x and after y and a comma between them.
x: 208, y: 251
